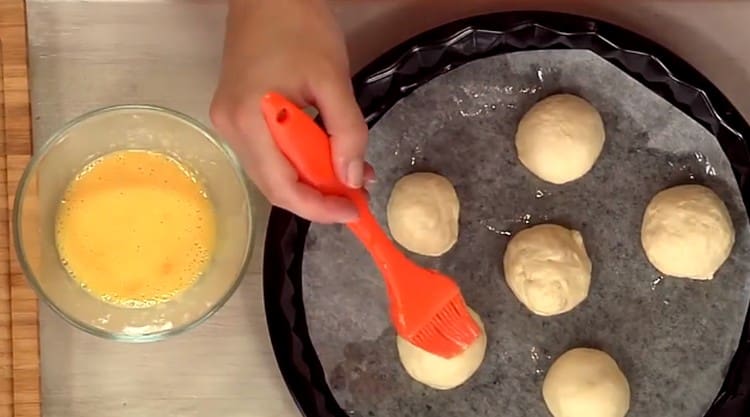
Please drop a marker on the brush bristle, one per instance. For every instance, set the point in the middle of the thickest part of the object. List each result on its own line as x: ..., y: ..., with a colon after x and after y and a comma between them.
x: 450, y: 331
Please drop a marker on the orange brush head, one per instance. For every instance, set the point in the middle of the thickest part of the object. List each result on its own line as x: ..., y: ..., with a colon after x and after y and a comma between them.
x: 450, y: 332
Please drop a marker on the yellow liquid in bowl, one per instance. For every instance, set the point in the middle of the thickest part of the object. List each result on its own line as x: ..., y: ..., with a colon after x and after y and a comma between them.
x: 135, y: 228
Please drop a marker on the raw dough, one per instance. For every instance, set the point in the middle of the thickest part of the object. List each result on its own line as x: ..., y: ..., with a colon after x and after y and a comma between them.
x: 687, y: 232
x: 586, y: 383
x: 547, y: 268
x: 423, y: 213
x: 438, y: 372
x: 560, y: 138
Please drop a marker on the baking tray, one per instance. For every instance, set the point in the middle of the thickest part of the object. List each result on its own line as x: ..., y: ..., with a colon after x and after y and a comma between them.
x: 408, y: 66
x: 19, y: 335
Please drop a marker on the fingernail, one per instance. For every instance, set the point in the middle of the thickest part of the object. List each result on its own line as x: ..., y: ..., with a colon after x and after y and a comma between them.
x: 350, y: 216
x: 354, y: 173
x: 369, y: 176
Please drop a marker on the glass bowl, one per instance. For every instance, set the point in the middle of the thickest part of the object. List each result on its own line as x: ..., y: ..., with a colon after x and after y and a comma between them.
x: 134, y: 127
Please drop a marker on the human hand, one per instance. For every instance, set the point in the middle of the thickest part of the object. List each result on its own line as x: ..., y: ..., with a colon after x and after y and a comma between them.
x: 295, y: 48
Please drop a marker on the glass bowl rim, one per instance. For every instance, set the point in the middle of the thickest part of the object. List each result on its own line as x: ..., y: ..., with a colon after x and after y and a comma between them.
x: 55, y: 139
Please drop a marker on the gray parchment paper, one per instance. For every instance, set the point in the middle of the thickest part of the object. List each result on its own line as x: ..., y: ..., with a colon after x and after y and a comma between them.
x: 673, y: 338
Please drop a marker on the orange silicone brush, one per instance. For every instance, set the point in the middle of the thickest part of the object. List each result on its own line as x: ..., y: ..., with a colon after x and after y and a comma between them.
x: 426, y: 307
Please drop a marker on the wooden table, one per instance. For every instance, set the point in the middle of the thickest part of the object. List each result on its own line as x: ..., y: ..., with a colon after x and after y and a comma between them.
x: 19, y: 337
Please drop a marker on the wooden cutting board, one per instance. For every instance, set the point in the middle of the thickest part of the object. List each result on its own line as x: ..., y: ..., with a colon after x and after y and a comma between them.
x: 19, y: 329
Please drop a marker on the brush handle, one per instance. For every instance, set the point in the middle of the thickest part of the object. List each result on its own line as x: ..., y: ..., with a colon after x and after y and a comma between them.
x: 381, y: 248
x: 308, y: 149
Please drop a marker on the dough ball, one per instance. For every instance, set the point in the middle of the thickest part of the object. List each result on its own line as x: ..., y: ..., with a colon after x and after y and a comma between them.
x: 687, y: 232
x: 438, y: 372
x: 423, y: 213
x: 560, y: 138
x: 547, y: 268
x: 586, y: 383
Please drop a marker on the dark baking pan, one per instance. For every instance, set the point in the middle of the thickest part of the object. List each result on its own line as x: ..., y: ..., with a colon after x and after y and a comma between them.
x: 398, y: 72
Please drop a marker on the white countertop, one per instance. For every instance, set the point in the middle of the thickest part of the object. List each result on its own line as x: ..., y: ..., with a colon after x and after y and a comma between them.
x: 86, y: 54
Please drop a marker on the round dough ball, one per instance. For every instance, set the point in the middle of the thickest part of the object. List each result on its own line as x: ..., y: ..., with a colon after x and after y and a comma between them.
x: 438, y: 372
x: 547, y: 268
x: 560, y: 138
x: 687, y: 232
x: 423, y: 213
x: 586, y: 383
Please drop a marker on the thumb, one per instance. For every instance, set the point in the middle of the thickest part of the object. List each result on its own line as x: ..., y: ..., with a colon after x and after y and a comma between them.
x: 346, y: 126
